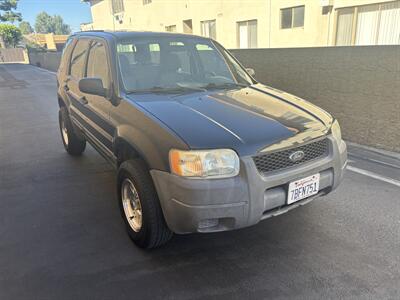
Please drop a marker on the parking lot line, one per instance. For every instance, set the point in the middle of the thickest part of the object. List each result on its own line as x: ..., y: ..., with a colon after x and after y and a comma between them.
x: 374, y: 175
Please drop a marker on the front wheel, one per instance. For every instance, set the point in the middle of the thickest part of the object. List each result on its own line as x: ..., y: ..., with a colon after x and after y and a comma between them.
x: 72, y: 143
x: 140, y: 207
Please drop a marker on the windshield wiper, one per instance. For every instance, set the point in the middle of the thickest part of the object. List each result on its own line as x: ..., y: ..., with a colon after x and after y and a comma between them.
x: 225, y: 85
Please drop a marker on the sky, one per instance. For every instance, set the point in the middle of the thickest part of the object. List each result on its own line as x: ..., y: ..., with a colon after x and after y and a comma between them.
x: 74, y: 12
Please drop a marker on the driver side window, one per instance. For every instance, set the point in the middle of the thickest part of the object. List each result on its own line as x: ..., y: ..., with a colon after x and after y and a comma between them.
x: 97, y: 66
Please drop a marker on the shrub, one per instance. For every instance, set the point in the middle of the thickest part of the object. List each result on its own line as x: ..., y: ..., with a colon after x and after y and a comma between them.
x: 10, y: 35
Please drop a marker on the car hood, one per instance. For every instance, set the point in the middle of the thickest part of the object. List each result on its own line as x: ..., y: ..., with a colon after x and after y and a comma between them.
x: 248, y: 120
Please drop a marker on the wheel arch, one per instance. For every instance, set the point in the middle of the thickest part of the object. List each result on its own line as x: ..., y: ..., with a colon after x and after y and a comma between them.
x: 61, y: 102
x: 125, y: 147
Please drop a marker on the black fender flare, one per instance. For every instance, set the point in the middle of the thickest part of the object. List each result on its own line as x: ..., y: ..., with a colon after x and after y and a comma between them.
x: 141, y: 145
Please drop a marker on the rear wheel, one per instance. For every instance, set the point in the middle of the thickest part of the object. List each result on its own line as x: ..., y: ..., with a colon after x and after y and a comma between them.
x: 72, y: 143
x: 140, y: 207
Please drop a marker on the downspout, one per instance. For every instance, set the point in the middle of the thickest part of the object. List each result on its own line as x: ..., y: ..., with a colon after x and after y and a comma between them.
x: 329, y: 27
x: 270, y: 23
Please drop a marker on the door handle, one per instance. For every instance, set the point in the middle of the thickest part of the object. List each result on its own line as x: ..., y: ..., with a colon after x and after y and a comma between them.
x: 66, y: 88
x: 82, y: 100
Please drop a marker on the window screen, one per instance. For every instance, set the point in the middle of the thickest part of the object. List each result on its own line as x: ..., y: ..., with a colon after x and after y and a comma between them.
x: 209, y: 29
x: 292, y: 17
x: 375, y: 24
x: 247, y: 34
x: 170, y: 28
x: 286, y: 18
x: 344, y: 27
x: 389, y: 27
x: 117, y: 6
x: 298, y: 16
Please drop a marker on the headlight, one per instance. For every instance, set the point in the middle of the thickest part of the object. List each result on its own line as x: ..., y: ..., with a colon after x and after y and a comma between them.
x: 220, y: 163
x: 336, y: 132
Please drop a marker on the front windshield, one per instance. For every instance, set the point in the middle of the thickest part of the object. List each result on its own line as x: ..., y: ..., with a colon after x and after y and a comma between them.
x: 171, y: 63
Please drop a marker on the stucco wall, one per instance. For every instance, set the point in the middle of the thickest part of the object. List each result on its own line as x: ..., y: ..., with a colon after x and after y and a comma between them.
x: 319, y: 25
x: 46, y: 60
x: 359, y: 85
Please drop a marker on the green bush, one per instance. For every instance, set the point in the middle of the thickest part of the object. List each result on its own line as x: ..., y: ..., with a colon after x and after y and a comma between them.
x: 10, y: 34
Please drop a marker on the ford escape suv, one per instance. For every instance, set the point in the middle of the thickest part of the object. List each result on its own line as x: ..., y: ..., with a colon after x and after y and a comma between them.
x: 198, y: 144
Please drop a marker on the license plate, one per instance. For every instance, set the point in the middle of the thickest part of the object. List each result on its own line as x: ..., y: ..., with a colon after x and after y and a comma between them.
x: 303, y: 188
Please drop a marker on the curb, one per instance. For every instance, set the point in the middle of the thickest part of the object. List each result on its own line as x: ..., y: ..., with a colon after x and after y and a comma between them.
x: 387, y: 153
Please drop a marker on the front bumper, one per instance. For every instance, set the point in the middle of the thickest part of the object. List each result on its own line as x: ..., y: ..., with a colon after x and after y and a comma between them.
x: 210, y: 205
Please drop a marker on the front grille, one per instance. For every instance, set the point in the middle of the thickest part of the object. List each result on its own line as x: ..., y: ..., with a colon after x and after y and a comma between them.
x: 280, y: 160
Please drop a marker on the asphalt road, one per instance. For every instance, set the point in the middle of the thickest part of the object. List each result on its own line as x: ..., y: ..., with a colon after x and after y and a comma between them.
x: 61, y: 235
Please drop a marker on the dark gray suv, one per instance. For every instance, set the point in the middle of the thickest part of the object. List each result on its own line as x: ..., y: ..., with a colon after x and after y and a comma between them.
x: 199, y: 145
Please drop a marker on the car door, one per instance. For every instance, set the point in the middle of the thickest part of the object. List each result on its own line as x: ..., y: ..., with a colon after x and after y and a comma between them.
x: 97, y: 108
x: 76, y: 71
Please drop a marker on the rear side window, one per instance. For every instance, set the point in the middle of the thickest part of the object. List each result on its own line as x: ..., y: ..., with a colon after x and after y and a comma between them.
x: 78, y: 59
x: 97, y: 66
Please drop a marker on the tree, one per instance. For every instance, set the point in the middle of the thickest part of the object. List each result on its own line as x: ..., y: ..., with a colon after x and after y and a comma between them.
x: 8, y: 7
x: 10, y: 35
x: 43, y: 23
x: 51, y: 24
x: 25, y: 27
x: 59, y: 26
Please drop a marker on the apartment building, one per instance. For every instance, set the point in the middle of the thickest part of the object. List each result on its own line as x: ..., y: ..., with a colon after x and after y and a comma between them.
x: 258, y: 23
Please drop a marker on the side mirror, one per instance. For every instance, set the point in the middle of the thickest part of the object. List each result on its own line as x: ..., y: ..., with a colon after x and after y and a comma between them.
x: 251, y: 71
x: 92, y: 86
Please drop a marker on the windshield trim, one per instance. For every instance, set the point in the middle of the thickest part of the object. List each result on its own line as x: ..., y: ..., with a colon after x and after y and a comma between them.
x: 225, y: 53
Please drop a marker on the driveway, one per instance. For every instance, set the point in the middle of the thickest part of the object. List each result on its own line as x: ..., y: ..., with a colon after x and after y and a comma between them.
x: 61, y: 236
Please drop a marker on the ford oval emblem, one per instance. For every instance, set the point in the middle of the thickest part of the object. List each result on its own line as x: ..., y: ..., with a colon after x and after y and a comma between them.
x: 296, y: 156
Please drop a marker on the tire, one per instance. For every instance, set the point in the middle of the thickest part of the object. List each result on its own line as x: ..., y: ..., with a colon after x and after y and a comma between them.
x: 72, y: 143
x: 151, y: 231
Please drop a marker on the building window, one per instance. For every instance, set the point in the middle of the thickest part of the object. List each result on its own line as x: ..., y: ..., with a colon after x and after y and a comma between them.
x: 376, y: 24
x: 209, y: 29
x: 146, y: 2
x: 247, y: 34
x: 292, y: 17
x: 170, y: 28
x: 188, y: 26
x: 117, y: 6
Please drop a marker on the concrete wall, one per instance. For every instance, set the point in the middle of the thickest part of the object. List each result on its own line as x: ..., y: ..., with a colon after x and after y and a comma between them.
x: 358, y: 85
x: 46, y: 60
x: 13, y: 55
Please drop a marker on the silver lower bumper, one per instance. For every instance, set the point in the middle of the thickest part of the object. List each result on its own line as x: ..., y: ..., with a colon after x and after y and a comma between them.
x: 198, y: 205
